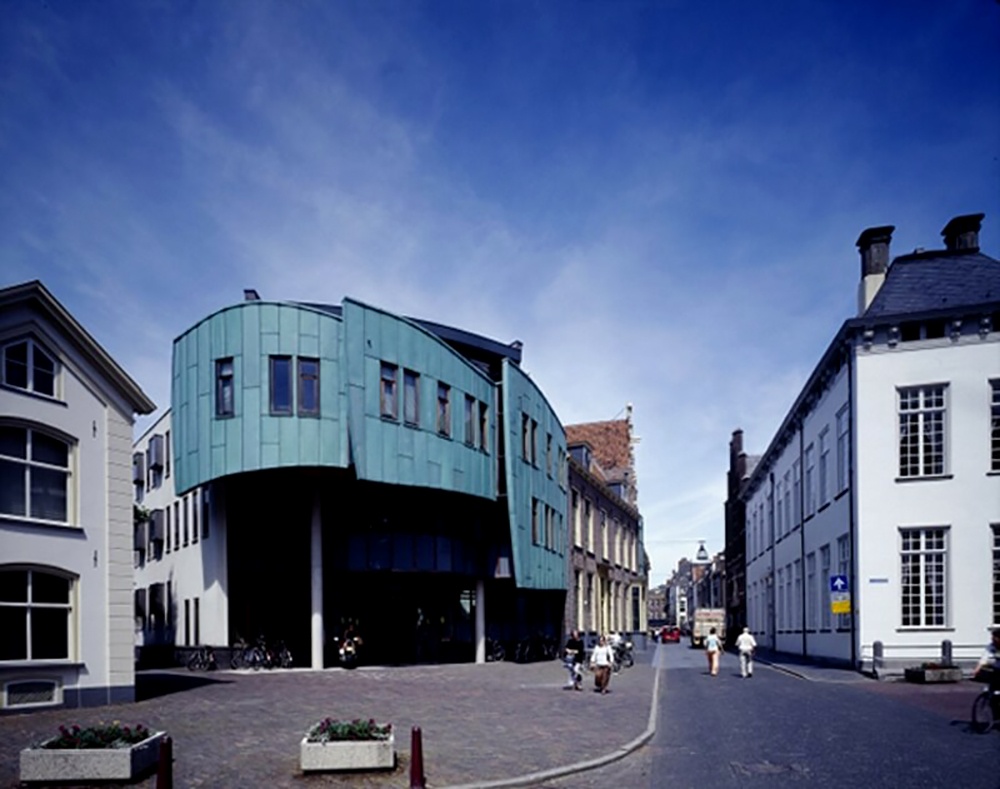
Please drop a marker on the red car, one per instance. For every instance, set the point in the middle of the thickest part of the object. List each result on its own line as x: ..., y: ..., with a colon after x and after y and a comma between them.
x: 668, y: 634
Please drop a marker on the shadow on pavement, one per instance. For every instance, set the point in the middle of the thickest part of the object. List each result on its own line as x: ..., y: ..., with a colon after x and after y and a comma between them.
x: 150, y: 685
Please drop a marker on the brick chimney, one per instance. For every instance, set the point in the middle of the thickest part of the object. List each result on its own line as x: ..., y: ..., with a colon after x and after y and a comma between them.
x: 873, y: 244
x: 962, y: 232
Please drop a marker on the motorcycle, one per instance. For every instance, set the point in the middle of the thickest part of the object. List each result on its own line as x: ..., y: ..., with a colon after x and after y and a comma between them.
x: 623, y: 656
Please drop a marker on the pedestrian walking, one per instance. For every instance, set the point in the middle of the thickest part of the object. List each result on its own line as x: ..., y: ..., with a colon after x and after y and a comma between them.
x: 600, y: 660
x: 574, y: 660
x: 747, y: 645
x: 712, y: 649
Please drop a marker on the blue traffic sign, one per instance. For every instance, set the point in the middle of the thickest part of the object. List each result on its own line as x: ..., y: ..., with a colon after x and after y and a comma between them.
x: 838, y: 583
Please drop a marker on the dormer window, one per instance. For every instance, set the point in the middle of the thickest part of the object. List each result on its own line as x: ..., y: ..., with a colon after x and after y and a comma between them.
x: 26, y: 365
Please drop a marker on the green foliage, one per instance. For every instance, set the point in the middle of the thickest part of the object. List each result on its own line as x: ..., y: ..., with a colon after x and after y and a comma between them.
x: 139, y: 514
x: 330, y: 730
x: 101, y: 736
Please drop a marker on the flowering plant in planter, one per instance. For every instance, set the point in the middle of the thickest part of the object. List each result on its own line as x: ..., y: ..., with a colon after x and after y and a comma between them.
x: 100, y: 736
x: 330, y: 730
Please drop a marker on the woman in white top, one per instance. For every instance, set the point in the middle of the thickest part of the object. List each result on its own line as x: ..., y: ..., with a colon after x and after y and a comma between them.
x: 600, y: 660
x: 712, y: 649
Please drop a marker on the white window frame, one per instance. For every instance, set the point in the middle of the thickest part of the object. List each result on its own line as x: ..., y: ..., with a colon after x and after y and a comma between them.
x: 995, y: 424
x: 843, y: 448
x: 824, y: 466
x: 71, y: 607
x: 995, y: 534
x: 844, y: 569
x: 811, y: 590
x: 810, y: 480
x: 28, y: 463
x: 32, y: 346
x: 925, y: 619
x: 825, y: 615
x: 914, y: 456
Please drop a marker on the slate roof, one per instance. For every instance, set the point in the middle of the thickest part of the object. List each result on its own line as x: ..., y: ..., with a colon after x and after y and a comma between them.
x: 938, y: 280
x: 610, y: 441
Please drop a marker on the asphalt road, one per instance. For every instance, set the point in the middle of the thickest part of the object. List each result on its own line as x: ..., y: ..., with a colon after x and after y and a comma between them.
x: 777, y: 730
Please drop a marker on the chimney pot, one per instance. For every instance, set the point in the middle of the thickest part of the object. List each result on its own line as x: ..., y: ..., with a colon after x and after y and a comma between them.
x: 249, y: 294
x: 873, y: 244
x: 962, y: 232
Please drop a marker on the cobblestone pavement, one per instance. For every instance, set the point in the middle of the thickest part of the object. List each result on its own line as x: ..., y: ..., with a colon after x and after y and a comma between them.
x: 240, y: 729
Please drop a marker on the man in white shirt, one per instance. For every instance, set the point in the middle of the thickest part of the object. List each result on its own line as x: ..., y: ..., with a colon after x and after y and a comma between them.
x: 746, y: 644
x: 600, y: 660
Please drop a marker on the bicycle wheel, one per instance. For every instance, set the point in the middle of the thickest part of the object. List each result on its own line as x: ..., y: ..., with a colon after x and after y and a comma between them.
x: 236, y: 659
x: 982, y: 713
x: 194, y: 662
x: 629, y: 660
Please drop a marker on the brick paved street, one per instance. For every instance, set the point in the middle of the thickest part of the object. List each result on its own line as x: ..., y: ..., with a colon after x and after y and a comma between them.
x: 479, y: 722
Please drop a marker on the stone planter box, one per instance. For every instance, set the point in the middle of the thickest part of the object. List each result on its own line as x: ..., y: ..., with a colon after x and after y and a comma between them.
x: 90, y: 764
x: 929, y: 675
x: 348, y: 755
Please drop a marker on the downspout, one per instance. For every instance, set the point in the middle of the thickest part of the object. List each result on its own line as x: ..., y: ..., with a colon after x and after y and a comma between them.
x: 850, y: 481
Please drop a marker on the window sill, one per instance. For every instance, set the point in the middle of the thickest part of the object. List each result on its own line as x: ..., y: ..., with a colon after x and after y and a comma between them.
x: 17, y: 520
x: 27, y: 665
x: 928, y: 478
x: 919, y: 629
x: 225, y: 416
x: 36, y: 395
x: 383, y: 417
x: 993, y: 473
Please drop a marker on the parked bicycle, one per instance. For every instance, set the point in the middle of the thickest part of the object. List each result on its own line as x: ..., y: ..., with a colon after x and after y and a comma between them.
x: 260, y: 655
x: 986, y: 707
x: 202, y: 659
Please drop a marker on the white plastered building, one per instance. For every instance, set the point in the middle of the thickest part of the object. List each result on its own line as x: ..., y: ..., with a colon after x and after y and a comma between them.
x: 886, y: 471
x: 66, y: 415
x: 180, y: 556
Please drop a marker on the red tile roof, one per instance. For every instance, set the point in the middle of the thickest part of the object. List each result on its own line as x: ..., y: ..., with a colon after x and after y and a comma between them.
x: 610, y: 441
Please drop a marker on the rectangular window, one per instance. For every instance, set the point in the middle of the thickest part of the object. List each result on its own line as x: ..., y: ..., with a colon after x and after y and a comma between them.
x: 777, y: 512
x: 197, y: 623
x: 604, y: 535
x: 166, y: 454
x: 924, y: 577
x: 388, y: 396
x: 843, y: 568
x: 224, y: 387
x: 843, y: 448
x: 797, y: 597
x: 810, y: 490
x: 788, y: 501
x: 770, y: 518
x: 36, y: 615
x: 534, y: 443
x: 187, y: 623
x: 994, y: 425
x: 281, y: 385
x: 206, y: 511
x: 308, y: 390
x: 177, y: 526
x: 824, y: 465
x: 34, y: 475
x: 811, y: 591
x: 577, y: 525
x: 588, y: 517
x: 444, y: 410
x: 797, y: 493
x: 525, y: 436
x: 534, y: 521
x: 167, y: 511
x: 922, y: 412
x: 996, y: 574
x: 781, y: 599
x: 470, y: 421
x: 484, y: 427
x: 824, y: 582
x: 184, y: 511
x: 194, y: 516
x: 548, y: 454
x: 411, y: 398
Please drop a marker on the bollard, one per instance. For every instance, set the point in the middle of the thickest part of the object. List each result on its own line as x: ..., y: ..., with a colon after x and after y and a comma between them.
x: 417, y: 779
x: 946, y: 653
x: 165, y: 766
x: 877, y: 657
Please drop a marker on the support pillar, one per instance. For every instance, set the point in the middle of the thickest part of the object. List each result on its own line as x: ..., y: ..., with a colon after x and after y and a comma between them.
x: 316, y: 572
x: 480, y: 621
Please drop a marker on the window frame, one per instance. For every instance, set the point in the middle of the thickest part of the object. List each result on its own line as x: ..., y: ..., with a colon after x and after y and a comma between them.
x: 28, y: 463
x: 995, y: 533
x: 273, y: 362
x: 484, y: 426
x: 443, y: 410
x: 305, y: 381
x: 33, y: 346
x: 388, y: 391
x: 470, y: 421
x: 71, y: 607
x: 411, y: 382
x: 916, y: 436
x: 225, y: 385
x: 994, y: 425
x: 921, y: 582
x: 824, y: 467
x: 843, y: 448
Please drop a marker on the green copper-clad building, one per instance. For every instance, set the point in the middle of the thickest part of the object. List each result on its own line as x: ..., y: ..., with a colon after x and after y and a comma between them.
x: 364, y: 468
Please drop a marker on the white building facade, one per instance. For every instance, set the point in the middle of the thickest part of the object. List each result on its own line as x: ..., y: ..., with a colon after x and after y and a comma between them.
x: 886, y: 471
x: 180, y: 556
x: 66, y: 415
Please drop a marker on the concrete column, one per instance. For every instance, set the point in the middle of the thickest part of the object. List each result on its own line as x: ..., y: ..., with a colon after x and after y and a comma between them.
x: 316, y: 567
x: 480, y: 621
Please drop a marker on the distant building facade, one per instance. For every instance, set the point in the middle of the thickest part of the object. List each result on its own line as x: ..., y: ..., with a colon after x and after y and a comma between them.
x: 608, y: 569
x: 66, y: 415
x: 883, y: 481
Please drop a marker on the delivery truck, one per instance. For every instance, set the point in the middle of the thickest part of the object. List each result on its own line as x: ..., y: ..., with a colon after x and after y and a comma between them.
x: 704, y: 620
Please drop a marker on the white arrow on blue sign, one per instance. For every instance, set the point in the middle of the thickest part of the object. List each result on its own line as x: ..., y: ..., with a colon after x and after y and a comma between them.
x: 838, y: 583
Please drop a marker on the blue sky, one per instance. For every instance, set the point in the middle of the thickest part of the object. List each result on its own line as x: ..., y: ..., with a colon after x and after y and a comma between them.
x: 659, y: 199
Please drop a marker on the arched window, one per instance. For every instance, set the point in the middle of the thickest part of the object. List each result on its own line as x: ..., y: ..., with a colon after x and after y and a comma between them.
x: 35, y: 474
x: 26, y: 365
x: 36, y: 614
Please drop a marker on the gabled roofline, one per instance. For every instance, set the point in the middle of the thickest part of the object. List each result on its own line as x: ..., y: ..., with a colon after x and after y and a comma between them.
x: 35, y: 292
